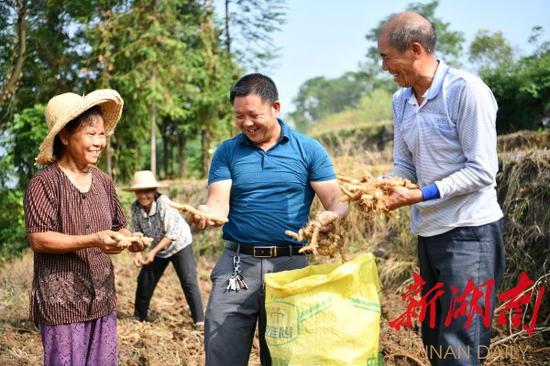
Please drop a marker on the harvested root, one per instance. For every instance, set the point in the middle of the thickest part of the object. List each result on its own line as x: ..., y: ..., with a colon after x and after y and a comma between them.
x: 371, y: 193
x: 126, y: 241
x: 324, y: 243
x: 193, y: 211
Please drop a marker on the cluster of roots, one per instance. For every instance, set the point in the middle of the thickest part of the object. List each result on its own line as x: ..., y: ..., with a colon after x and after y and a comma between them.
x: 323, y: 234
x: 370, y: 193
x: 321, y: 242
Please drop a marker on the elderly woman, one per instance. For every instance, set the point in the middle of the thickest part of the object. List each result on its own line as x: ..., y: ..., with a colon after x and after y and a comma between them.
x: 74, y: 220
x: 153, y: 216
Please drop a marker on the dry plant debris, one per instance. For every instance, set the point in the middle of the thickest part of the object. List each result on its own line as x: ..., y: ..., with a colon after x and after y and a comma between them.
x: 371, y: 193
x: 187, y: 209
x: 325, y: 243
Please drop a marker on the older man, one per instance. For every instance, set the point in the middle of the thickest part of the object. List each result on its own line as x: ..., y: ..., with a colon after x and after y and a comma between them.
x: 265, y: 179
x: 445, y: 140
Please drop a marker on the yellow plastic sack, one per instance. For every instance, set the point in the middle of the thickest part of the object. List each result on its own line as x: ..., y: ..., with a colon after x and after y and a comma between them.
x: 326, y: 314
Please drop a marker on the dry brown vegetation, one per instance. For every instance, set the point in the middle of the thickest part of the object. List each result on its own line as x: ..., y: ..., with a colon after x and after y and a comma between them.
x: 169, y: 339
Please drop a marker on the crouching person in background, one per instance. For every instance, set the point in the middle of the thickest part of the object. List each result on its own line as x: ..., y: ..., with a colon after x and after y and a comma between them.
x: 153, y: 216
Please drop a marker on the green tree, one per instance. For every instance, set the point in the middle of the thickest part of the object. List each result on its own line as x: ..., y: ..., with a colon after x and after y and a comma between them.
x: 166, y: 60
x: 213, y: 79
x: 541, y: 46
x: 21, y: 143
x: 490, y: 50
x: 319, y: 97
x: 13, y: 50
x: 522, y: 90
x: 41, y: 49
x: 165, y: 57
x: 12, y: 223
x: 248, y: 29
x: 150, y: 67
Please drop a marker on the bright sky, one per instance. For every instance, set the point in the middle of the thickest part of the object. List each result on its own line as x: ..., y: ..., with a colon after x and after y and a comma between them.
x: 327, y: 37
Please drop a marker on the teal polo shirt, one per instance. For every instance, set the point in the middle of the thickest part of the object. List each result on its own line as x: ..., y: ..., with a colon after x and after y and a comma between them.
x: 270, y: 190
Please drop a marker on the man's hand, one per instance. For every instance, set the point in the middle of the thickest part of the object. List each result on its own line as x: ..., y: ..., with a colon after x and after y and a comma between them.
x: 401, y: 196
x: 327, y: 220
x: 202, y: 222
x: 107, y: 241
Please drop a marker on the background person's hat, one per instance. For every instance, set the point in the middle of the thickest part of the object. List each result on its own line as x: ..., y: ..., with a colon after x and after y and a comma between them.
x: 63, y: 108
x: 143, y: 179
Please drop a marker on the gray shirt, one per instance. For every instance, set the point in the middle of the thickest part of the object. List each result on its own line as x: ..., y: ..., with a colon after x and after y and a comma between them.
x: 162, y: 221
x: 449, y: 140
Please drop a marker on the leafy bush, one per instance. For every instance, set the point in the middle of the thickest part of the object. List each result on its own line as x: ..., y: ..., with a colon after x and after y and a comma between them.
x: 522, y: 91
x: 22, y: 141
x: 12, y: 224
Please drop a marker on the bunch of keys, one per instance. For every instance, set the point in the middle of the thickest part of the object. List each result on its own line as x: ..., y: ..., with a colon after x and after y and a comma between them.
x: 236, y: 280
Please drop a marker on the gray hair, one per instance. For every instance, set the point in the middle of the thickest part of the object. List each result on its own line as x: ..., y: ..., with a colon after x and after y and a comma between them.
x: 401, y: 34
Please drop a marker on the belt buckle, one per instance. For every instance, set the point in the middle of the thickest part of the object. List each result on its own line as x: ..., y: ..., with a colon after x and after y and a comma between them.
x: 259, y: 252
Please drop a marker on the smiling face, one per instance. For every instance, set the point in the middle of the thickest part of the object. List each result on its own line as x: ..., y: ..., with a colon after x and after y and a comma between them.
x: 401, y: 65
x: 84, y: 145
x: 257, y: 119
x: 145, y: 197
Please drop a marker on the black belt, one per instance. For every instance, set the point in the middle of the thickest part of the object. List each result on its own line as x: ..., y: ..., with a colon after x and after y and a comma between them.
x: 264, y: 251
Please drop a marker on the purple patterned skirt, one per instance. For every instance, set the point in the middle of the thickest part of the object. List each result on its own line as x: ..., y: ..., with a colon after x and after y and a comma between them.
x: 88, y: 343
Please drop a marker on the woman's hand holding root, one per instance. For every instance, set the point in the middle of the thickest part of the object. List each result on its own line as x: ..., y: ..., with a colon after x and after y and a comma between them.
x: 113, y: 242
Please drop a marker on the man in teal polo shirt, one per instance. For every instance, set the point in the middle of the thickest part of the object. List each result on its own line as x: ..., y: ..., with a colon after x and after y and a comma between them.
x: 264, y: 181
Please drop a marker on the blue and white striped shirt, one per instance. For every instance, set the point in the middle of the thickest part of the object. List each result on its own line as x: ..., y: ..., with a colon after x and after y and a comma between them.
x: 450, y: 141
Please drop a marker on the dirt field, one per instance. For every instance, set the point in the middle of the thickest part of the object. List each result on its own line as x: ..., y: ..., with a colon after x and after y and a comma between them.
x: 169, y: 339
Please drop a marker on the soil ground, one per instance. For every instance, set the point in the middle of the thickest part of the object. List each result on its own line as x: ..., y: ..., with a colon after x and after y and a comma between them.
x: 170, y: 339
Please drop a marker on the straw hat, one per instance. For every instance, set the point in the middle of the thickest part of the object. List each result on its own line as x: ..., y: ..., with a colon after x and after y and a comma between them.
x: 143, y: 179
x: 63, y: 108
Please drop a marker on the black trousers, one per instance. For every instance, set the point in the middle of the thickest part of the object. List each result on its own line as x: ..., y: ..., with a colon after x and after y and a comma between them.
x: 149, y: 276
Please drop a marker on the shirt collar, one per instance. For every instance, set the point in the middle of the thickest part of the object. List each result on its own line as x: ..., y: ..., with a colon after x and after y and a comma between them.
x: 285, y: 135
x: 152, y: 211
x: 93, y: 187
x: 437, y: 83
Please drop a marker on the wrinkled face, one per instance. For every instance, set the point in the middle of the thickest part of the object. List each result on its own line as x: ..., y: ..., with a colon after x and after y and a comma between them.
x: 257, y: 118
x: 85, y: 144
x: 399, y: 64
x: 145, y: 197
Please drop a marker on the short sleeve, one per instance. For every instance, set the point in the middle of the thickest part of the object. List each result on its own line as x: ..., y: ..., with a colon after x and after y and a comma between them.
x: 219, y: 167
x: 41, y: 207
x: 171, y: 218
x: 320, y: 167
